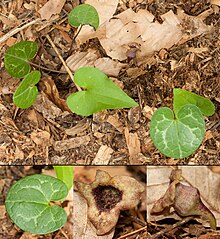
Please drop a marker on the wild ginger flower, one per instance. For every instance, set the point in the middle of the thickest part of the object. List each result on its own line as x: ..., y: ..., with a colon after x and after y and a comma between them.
x: 106, y: 196
x: 184, y: 199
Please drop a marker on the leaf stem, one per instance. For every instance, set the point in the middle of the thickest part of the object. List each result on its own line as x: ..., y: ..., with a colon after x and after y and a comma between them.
x: 47, y: 69
x: 62, y: 60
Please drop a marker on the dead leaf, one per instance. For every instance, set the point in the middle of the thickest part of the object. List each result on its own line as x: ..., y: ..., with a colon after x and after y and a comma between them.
x: 51, y: 91
x: 109, y: 66
x: 52, y: 7
x: 81, y: 59
x: 105, y: 64
x: 105, y: 8
x: 130, y: 27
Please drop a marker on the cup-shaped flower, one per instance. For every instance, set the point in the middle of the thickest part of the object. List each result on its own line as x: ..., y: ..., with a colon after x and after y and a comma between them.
x: 184, y: 199
x: 106, y: 196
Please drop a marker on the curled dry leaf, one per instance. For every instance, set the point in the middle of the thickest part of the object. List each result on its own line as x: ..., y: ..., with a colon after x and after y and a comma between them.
x: 106, y: 196
x: 184, y: 199
x: 50, y: 89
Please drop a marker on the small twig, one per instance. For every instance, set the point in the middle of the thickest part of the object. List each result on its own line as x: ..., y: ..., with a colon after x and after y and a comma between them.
x: 74, y: 38
x: 18, y: 29
x: 161, y: 232
x: 79, y: 30
x: 138, y: 221
x: 132, y: 233
x: 65, y: 235
x: 62, y: 60
x: 47, y: 69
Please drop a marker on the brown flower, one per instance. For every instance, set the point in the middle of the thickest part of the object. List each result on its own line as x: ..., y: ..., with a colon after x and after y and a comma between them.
x: 184, y: 199
x: 106, y: 196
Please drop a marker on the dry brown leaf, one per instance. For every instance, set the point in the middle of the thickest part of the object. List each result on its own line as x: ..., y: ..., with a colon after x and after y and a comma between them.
x: 105, y: 8
x: 109, y: 66
x: 103, y: 156
x: 52, y: 7
x: 51, y: 91
x: 129, y: 27
x: 81, y: 59
x: 105, y: 64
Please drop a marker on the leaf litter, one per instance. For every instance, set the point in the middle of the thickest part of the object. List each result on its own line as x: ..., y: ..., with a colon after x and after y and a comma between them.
x: 166, y: 46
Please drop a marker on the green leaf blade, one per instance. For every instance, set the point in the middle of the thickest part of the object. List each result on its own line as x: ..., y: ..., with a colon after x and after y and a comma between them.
x: 183, y: 97
x: 84, y: 14
x: 180, y: 137
x: 100, y: 94
x: 65, y: 174
x: 27, y: 204
x: 27, y: 92
x: 17, y: 57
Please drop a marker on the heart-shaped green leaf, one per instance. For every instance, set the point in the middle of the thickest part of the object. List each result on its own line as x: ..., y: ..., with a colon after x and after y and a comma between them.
x: 180, y: 137
x: 27, y: 204
x: 183, y: 97
x: 65, y: 173
x: 101, y: 93
x: 26, y: 93
x: 17, y: 57
x: 84, y: 14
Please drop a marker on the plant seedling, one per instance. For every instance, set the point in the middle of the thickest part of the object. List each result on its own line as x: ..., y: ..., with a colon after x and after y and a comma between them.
x: 179, y: 134
x: 28, y: 201
x: 100, y: 93
x: 27, y: 92
x: 17, y: 58
x: 84, y: 14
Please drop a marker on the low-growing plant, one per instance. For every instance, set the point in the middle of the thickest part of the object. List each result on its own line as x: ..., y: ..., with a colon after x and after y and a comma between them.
x: 84, y: 14
x: 178, y: 134
x: 30, y: 201
x: 17, y: 63
x: 100, y: 92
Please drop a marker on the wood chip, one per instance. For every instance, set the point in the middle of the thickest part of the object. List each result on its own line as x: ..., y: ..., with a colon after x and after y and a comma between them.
x: 133, y: 144
x: 103, y: 156
x: 71, y: 143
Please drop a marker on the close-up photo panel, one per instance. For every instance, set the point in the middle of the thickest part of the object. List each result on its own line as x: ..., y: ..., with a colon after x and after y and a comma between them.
x: 109, y: 119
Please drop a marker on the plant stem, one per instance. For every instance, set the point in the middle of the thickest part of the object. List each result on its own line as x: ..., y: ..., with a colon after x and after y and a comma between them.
x: 63, y: 62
